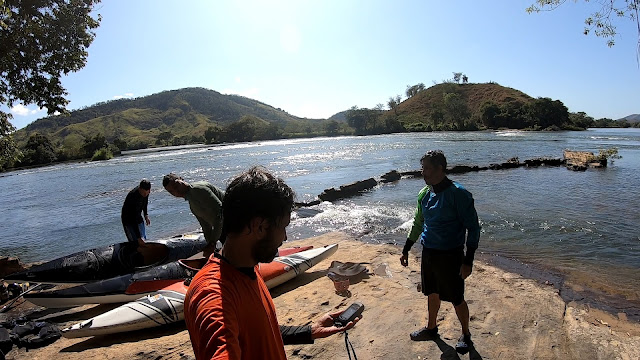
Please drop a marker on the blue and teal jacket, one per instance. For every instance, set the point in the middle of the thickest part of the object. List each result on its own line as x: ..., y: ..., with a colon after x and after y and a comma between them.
x: 445, y: 219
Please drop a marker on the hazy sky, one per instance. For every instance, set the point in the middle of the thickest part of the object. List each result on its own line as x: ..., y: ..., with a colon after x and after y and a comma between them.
x: 316, y: 58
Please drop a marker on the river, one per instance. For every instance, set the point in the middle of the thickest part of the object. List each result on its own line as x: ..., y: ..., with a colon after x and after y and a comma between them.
x: 580, y: 226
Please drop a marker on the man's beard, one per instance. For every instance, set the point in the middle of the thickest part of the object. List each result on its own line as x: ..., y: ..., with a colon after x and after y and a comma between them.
x: 263, y: 250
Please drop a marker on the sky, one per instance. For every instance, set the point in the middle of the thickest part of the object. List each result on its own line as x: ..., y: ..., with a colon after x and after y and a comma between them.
x: 316, y: 58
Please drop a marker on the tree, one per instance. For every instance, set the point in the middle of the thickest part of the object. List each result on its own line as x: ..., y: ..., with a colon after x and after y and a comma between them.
x: 331, y: 127
x: 394, y: 102
x: 457, y: 76
x: 93, y: 144
x: 40, y: 41
x: 357, y: 119
x: 39, y: 150
x: 465, y: 79
x: 9, y: 153
x: 120, y: 144
x: 600, y: 22
x: 414, y: 90
x: 164, y: 137
x: 212, y: 134
x: 581, y: 120
x: 456, y: 108
x: 547, y: 113
x: 489, y: 112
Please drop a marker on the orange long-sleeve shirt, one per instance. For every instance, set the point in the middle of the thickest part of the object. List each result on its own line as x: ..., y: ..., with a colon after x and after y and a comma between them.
x: 231, y: 316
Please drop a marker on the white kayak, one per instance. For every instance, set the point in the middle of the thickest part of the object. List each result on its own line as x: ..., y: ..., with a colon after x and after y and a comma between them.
x: 166, y: 306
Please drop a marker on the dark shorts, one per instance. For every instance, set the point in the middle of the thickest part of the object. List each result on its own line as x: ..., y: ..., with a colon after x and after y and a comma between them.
x: 440, y: 272
x: 130, y: 232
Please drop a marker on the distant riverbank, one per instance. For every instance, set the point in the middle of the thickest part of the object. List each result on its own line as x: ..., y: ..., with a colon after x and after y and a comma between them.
x: 164, y: 148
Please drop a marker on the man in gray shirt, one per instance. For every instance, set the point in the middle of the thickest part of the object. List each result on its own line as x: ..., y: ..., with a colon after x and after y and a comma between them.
x: 205, y: 201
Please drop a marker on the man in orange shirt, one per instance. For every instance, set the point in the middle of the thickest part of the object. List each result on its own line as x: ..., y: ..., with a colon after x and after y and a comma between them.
x: 228, y: 308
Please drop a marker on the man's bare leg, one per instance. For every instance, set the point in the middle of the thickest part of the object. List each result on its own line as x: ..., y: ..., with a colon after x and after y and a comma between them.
x: 462, y: 311
x: 434, y: 307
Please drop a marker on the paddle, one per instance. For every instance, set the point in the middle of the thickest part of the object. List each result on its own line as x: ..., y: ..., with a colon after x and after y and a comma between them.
x: 6, y: 307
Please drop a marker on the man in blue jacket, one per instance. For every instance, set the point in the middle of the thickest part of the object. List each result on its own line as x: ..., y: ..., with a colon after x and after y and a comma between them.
x: 445, y: 220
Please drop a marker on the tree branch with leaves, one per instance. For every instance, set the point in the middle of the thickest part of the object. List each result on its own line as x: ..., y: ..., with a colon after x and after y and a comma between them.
x: 40, y: 41
x: 601, y: 22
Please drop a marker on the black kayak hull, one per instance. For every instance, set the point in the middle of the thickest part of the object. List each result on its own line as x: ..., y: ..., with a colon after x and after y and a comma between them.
x: 110, y: 261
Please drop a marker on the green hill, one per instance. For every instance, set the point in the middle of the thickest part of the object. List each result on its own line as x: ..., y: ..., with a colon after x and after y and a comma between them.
x: 425, y: 103
x: 185, y: 114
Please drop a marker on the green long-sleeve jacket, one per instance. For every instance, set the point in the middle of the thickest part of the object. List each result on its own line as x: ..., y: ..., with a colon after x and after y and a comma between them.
x: 205, y: 201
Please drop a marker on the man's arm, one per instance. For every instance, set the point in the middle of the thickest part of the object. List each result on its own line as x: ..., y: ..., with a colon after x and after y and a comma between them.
x: 144, y: 211
x: 467, y: 213
x: 292, y: 335
x: 416, y: 228
x: 210, y: 199
x: 207, y: 230
x: 323, y: 327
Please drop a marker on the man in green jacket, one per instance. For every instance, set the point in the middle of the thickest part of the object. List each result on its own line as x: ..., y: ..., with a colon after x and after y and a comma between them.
x: 205, y: 201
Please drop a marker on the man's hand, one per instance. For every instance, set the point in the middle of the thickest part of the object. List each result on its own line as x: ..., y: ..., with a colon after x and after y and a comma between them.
x: 465, y: 271
x: 324, y: 326
x: 404, y: 260
x: 146, y: 219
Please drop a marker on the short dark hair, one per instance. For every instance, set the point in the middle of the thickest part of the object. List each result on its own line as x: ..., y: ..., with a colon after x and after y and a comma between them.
x: 170, y: 178
x: 145, y: 184
x: 436, y: 157
x: 255, y: 193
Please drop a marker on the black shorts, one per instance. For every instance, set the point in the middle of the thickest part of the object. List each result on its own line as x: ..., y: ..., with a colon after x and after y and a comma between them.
x: 130, y: 232
x: 440, y: 272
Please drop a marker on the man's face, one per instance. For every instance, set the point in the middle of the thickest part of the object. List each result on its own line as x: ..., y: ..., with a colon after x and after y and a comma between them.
x: 432, y: 174
x: 144, y: 192
x: 266, y: 249
x: 175, y: 188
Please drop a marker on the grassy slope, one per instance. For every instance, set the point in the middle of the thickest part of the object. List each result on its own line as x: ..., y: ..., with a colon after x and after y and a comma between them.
x: 185, y: 112
x: 419, y: 107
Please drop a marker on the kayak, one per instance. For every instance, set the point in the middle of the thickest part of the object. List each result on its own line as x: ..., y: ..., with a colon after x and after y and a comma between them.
x: 107, y: 262
x: 128, y: 287
x: 166, y: 306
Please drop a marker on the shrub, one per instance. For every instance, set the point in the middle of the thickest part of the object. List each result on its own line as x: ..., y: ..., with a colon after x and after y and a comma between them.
x: 102, y: 154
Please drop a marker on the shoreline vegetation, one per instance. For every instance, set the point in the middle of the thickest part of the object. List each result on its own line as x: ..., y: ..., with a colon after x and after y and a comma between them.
x: 512, y: 317
x: 196, y: 116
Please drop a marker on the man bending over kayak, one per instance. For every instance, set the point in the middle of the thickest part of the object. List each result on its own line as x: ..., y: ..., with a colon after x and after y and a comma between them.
x: 205, y: 202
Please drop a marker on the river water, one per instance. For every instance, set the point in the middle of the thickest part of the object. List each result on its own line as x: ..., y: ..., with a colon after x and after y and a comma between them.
x: 580, y: 225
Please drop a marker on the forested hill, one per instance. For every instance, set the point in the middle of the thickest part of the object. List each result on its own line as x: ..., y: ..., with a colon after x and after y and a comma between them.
x: 431, y: 100
x: 175, y: 117
x: 162, y: 110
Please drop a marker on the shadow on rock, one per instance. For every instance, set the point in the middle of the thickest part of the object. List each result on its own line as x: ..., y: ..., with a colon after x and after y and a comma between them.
x: 300, y: 280
x: 449, y: 352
